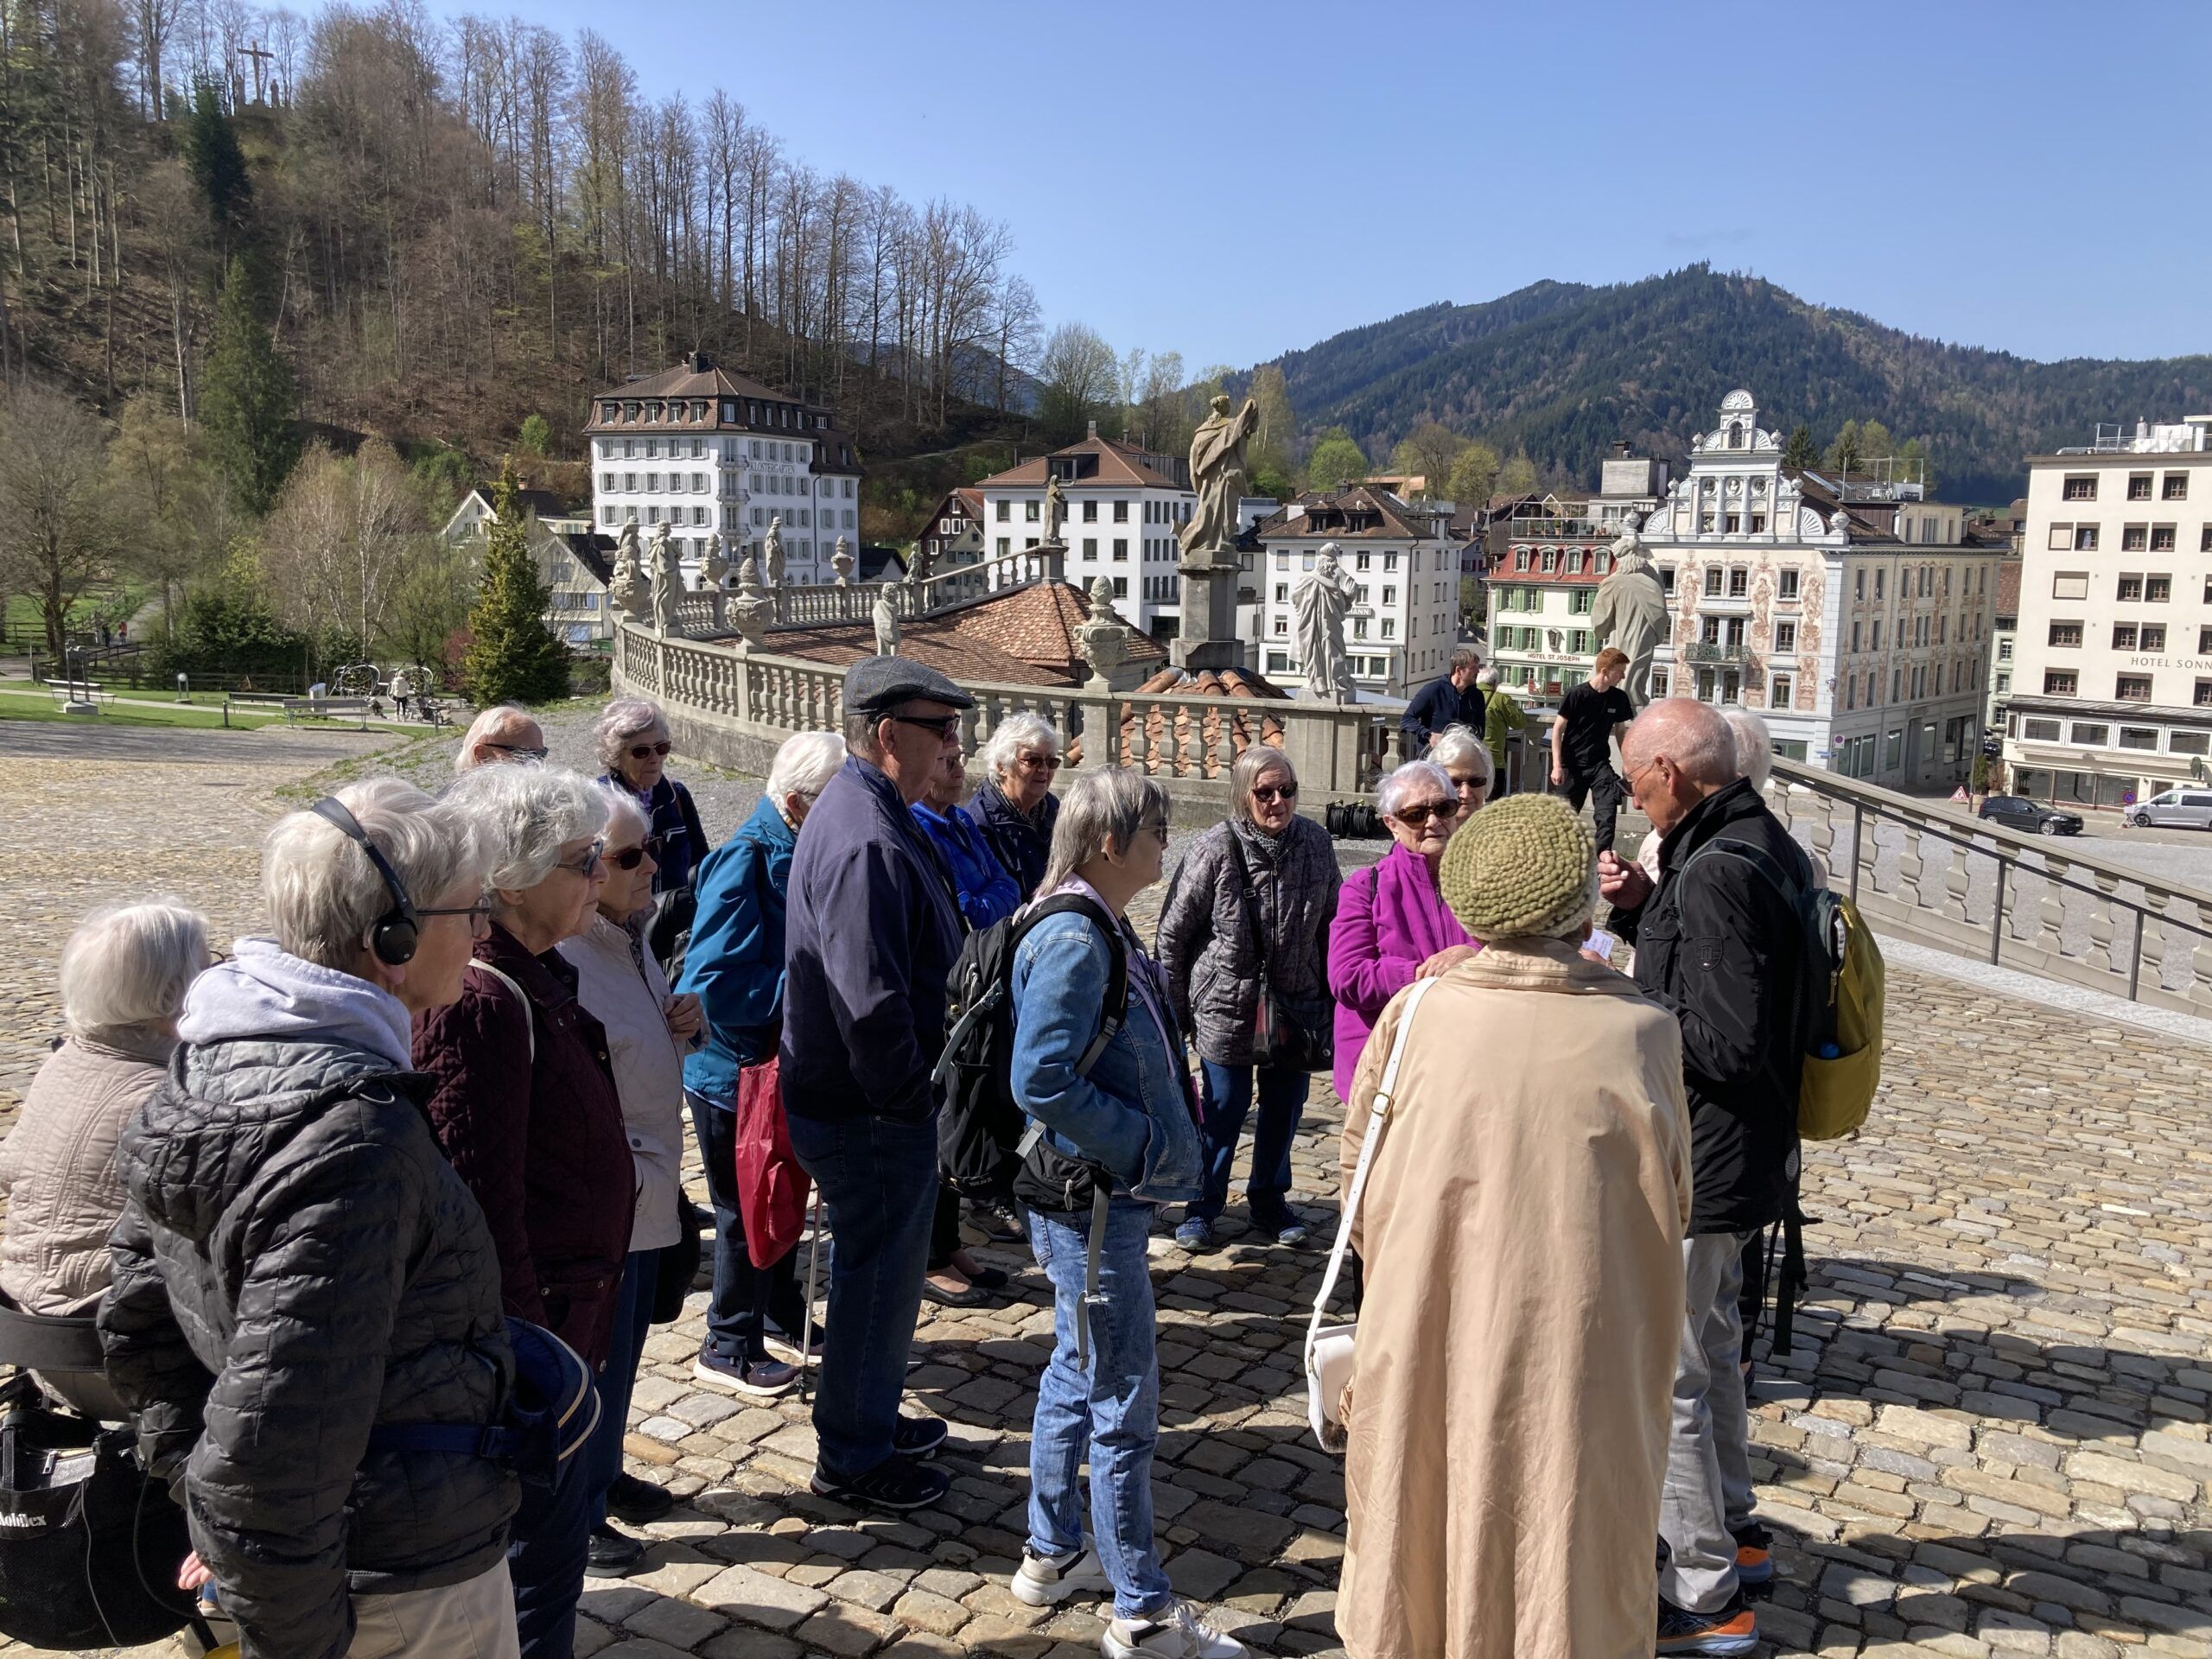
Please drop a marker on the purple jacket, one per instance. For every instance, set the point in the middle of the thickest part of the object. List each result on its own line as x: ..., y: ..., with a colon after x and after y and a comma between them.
x: 1391, y: 918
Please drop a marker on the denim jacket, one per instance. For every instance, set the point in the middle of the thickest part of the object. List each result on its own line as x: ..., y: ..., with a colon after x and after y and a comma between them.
x: 1132, y: 1113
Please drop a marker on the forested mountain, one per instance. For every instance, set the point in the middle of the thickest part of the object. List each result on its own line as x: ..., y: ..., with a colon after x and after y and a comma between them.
x: 1563, y: 370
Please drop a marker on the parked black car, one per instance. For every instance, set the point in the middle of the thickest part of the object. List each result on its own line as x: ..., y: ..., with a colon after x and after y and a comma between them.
x: 2030, y: 818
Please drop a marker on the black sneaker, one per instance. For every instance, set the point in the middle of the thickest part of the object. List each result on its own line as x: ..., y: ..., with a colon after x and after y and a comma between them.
x: 897, y: 1482
x: 996, y: 1223
x: 919, y: 1438
x: 613, y: 1554
x: 637, y: 1502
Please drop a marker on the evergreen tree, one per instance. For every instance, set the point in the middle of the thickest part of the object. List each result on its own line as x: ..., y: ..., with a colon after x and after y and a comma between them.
x: 247, y: 401
x: 211, y: 151
x: 1801, y: 453
x: 1845, y: 454
x: 513, y: 655
x: 537, y: 436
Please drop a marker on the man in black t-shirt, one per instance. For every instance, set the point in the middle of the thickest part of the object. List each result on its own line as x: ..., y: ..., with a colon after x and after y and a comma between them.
x: 1589, y: 718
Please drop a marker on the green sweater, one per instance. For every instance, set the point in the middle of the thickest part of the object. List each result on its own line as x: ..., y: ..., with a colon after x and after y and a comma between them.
x: 1502, y: 717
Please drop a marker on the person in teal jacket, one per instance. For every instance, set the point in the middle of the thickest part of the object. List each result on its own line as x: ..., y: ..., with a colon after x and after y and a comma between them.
x: 735, y: 968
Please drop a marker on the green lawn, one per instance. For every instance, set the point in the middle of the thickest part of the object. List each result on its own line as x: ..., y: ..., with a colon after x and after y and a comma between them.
x: 20, y: 704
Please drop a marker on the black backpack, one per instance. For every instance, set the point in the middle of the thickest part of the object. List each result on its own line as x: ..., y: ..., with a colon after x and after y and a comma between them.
x: 981, y: 1130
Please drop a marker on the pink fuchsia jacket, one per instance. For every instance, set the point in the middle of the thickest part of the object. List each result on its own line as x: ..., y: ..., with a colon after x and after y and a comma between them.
x: 1391, y: 918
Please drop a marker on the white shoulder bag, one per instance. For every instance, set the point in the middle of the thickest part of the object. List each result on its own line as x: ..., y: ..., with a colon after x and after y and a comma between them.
x: 1328, y: 1347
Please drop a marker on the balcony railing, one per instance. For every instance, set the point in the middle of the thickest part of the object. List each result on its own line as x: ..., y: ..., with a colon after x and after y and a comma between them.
x: 1703, y: 651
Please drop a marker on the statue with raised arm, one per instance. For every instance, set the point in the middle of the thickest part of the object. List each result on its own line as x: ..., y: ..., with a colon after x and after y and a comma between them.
x: 627, y: 587
x: 1321, y: 602
x: 1629, y: 613
x: 772, y: 550
x: 1209, y: 535
x: 665, y: 570
x: 1056, y: 510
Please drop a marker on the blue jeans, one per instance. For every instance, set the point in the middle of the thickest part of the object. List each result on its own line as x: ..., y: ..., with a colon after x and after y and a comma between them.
x: 546, y: 1559
x: 878, y: 1180
x: 1224, y: 1096
x: 1109, y: 1415
x: 747, y: 1302
x: 633, y: 1314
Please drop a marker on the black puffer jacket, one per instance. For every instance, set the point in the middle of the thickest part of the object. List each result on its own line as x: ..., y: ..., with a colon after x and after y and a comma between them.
x: 1724, y: 950
x: 296, y: 1263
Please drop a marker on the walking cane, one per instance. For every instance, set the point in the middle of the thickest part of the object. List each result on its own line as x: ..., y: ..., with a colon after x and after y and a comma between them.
x: 806, y: 1319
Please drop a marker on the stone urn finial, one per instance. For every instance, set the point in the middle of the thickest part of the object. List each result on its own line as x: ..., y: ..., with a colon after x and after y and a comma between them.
x: 842, y: 563
x: 1104, y: 640
x: 750, y: 611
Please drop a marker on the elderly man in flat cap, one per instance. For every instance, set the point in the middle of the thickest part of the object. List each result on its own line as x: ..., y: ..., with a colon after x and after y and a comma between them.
x: 871, y: 933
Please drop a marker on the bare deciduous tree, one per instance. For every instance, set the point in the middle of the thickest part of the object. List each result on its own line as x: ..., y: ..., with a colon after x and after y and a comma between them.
x: 56, y: 533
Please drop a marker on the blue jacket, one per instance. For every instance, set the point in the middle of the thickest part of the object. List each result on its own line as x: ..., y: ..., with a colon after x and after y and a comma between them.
x: 735, y: 962
x: 985, y: 892
x: 1441, y: 704
x: 870, y: 937
x: 1132, y: 1113
x: 669, y: 809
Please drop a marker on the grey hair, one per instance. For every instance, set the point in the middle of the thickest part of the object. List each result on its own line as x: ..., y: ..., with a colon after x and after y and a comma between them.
x: 1487, y: 679
x: 1014, y: 733
x: 1692, y: 734
x: 1455, y: 745
x: 486, y: 729
x: 323, y: 893
x: 1466, y: 656
x: 1260, y: 757
x: 1103, y: 804
x: 1754, y: 746
x: 620, y: 720
x: 523, y: 815
x: 860, y: 733
x: 622, y: 809
x: 125, y: 970
x: 804, y: 764
x: 1390, y: 793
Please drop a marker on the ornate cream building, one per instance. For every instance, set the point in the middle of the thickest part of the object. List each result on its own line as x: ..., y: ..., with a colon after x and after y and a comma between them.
x: 1852, y: 612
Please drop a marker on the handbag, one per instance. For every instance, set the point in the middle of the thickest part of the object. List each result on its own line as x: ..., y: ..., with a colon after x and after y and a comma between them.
x: 1296, y: 1034
x: 772, y: 1187
x: 547, y: 1418
x: 1329, y: 1347
x: 678, y: 1264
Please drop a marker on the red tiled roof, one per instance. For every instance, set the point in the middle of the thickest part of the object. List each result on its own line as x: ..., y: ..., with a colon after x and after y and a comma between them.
x: 1387, y: 509
x: 1120, y: 467
x: 2008, y: 587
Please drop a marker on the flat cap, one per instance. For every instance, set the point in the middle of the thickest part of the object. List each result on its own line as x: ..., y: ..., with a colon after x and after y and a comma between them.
x: 876, y: 685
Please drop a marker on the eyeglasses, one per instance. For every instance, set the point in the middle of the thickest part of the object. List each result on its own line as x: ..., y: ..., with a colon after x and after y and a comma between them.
x: 1158, y: 827
x: 1268, y: 794
x: 630, y: 857
x: 645, y: 751
x: 1038, y: 762
x: 519, y: 753
x: 589, y: 865
x: 947, y: 727
x: 480, y: 916
x: 1415, y: 816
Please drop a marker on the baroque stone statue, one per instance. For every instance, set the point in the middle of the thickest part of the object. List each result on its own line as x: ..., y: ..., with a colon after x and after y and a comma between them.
x: 772, y: 550
x: 715, y: 567
x: 666, y: 571
x: 1321, y: 602
x: 626, y: 587
x: 1629, y: 613
x: 1209, y: 536
x: 1056, y: 511
x: 885, y: 615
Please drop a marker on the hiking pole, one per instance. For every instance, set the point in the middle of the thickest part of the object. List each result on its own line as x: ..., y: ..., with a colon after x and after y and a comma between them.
x: 806, y: 1318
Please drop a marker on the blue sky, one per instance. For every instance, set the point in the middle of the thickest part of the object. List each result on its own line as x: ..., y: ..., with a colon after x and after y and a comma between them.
x: 1233, y: 181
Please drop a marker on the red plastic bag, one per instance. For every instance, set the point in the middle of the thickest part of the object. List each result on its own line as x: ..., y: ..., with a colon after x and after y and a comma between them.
x: 771, y: 1188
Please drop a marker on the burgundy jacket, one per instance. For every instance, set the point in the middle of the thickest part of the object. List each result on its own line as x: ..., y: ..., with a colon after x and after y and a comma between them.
x: 539, y: 1141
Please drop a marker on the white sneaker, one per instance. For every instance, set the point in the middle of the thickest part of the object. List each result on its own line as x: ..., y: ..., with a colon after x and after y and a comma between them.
x: 1048, y: 1580
x: 1177, y: 1633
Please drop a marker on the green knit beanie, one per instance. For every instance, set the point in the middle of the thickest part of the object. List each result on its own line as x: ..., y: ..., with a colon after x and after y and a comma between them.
x: 1524, y: 867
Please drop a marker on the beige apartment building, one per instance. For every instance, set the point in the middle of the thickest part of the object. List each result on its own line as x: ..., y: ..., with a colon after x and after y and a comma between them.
x: 2111, y: 679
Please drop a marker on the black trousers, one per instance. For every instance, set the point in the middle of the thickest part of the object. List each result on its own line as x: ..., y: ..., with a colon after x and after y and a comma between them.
x: 1604, y: 791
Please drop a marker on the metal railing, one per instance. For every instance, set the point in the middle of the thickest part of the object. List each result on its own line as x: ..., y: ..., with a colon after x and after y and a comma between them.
x: 1710, y: 651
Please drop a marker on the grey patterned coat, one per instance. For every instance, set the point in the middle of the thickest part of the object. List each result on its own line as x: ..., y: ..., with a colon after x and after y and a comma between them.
x: 1209, y: 949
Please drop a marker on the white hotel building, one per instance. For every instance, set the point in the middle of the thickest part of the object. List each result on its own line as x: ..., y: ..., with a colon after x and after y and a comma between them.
x: 1404, y: 566
x: 702, y: 450
x: 1853, y: 613
x: 2112, y: 671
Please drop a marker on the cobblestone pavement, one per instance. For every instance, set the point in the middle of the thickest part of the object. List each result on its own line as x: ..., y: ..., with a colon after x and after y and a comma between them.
x: 1992, y: 1439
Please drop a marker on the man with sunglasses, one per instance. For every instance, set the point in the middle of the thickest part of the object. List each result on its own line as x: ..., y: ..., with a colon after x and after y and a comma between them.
x: 871, y: 935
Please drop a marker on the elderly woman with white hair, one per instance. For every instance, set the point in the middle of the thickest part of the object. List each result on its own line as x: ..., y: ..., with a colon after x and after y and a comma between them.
x: 1247, y: 915
x: 649, y: 1031
x: 1015, y: 807
x: 735, y: 968
x: 632, y: 742
x: 1466, y: 762
x: 525, y: 1105
x: 125, y: 973
x: 298, y: 1267
x: 501, y: 735
x: 1392, y: 924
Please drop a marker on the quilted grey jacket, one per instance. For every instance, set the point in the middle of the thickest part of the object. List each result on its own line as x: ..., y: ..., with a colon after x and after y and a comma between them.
x: 1211, y: 953
x: 296, y: 1263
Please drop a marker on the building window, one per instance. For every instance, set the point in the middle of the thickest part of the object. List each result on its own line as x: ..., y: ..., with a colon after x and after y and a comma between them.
x: 1090, y: 513
x: 2188, y: 743
x: 1121, y: 586
x: 2132, y: 688
x: 1786, y: 585
x: 2123, y: 635
x: 2154, y: 637
x: 1282, y: 624
x: 2130, y: 590
x: 1029, y: 512
x: 2158, y: 590
x: 1785, y: 636
x: 1389, y: 627
x: 2003, y: 683
x: 1006, y: 512
x: 1120, y: 549
x: 2134, y: 538
x: 2005, y: 649
x: 1667, y: 579
x: 2058, y: 682
x: 1874, y: 641
x: 2081, y: 487
x: 2065, y: 634
x: 2176, y: 488
x: 2138, y: 486
x: 2085, y: 538
x: 2039, y: 731
x: 2162, y: 539
x: 1713, y: 578
x: 1121, y: 512
x: 1778, y: 695
x: 1740, y: 582
x: 1004, y: 544
x: 2090, y: 734
x: 2139, y: 737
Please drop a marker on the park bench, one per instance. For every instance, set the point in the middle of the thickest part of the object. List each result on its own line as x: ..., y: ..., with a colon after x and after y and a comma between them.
x: 328, y: 708
x: 68, y: 692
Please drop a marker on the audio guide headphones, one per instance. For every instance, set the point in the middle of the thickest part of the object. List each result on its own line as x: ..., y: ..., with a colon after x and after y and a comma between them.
x: 392, y: 935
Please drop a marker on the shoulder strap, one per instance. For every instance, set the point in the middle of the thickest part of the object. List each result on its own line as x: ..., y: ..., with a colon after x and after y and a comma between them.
x: 1377, y: 1113
x: 1244, y: 899
x: 1118, y: 963
x: 529, y: 1015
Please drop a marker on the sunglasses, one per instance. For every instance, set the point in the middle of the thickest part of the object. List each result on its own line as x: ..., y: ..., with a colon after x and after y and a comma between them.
x: 645, y: 751
x: 1268, y: 794
x: 947, y: 727
x: 630, y: 857
x: 1414, y: 816
x: 480, y: 916
x: 1038, y: 762
x: 590, y: 864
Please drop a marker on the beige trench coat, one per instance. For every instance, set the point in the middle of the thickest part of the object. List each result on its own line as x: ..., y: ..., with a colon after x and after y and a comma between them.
x: 1521, y: 1237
